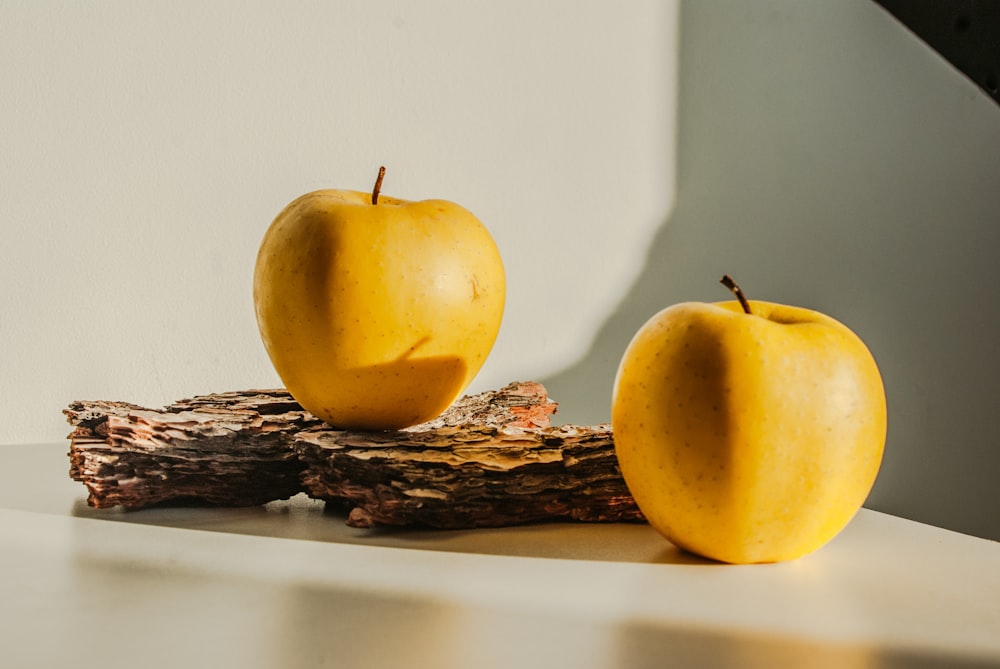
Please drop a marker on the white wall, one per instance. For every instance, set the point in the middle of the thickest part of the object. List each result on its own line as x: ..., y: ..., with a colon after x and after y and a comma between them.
x: 145, y: 147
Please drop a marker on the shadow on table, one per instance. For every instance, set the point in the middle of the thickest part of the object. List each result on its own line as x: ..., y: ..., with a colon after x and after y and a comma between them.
x: 307, y: 519
x: 653, y: 645
x: 431, y: 633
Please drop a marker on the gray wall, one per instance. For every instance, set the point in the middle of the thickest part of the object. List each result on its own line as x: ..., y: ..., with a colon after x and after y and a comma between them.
x: 828, y: 158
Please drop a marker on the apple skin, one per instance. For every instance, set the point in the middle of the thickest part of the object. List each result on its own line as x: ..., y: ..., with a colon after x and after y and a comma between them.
x: 377, y: 316
x: 748, y: 438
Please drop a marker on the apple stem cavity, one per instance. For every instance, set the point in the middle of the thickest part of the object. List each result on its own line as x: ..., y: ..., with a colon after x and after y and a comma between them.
x: 728, y: 282
x: 378, y: 184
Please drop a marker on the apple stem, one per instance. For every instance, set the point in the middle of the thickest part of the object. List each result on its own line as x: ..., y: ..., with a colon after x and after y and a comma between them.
x: 378, y: 184
x: 728, y: 282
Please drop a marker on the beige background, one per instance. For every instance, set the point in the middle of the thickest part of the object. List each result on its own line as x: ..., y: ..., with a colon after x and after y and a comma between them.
x: 147, y: 146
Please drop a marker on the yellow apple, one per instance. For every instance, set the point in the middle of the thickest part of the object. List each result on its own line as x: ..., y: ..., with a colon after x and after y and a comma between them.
x: 748, y: 431
x: 377, y: 312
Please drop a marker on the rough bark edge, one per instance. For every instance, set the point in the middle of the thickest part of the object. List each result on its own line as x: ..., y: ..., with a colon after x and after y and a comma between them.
x: 490, y: 460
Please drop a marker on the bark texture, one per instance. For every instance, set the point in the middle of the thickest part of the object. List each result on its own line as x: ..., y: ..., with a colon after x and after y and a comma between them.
x: 492, y: 459
x: 226, y: 449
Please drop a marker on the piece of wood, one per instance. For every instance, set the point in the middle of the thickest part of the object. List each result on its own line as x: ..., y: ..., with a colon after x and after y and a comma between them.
x: 491, y: 459
x: 466, y: 477
x: 230, y: 449
x: 227, y: 449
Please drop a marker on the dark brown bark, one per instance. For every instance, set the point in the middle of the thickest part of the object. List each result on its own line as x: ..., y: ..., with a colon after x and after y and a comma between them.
x: 468, y: 477
x: 228, y: 449
x: 491, y: 459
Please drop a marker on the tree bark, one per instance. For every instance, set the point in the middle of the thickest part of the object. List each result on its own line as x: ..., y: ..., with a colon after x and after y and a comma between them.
x: 227, y: 449
x: 492, y: 459
x: 468, y: 477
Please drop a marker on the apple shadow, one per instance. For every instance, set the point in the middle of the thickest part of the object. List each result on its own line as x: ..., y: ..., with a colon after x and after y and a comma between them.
x: 830, y: 180
x: 424, y: 386
x: 306, y: 519
x: 565, y: 540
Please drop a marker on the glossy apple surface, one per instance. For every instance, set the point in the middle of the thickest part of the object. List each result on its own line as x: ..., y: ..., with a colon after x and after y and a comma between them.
x: 748, y: 438
x: 377, y: 316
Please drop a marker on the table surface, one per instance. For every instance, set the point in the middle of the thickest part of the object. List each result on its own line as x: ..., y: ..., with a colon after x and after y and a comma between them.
x: 289, y: 585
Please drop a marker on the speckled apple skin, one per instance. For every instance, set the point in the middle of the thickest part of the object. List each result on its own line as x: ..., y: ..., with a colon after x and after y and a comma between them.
x: 377, y: 316
x: 748, y: 438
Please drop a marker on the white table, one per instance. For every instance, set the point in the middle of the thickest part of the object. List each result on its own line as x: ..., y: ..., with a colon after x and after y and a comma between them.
x: 288, y: 585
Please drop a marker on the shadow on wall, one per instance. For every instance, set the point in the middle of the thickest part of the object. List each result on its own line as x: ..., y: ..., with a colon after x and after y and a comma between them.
x: 827, y: 158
